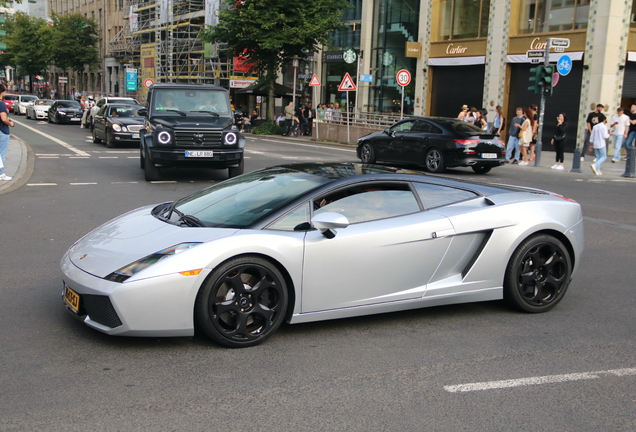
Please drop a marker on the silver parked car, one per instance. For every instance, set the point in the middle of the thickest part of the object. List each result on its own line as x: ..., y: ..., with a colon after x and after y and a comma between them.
x: 39, y: 109
x: 310, y: 242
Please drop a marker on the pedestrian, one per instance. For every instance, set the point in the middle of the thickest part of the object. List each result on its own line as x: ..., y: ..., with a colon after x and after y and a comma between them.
x: 320, y: 111
x: 598, y: 142
x: 535, y: 130
x: 470, y: 116
x: 499, y: 123
x: 593, y: 118
x: 462, y: 114
x: 527, y: 129
x: 310, y: 115
x: 558, y: 141
x: 620, y: 126
x: 289, y: 117
x: 329, y: 113
x: 513, y: 138
x: 336, y: 112
x: 480, y: 121
x: 5, y: 133
x: 631, y: 136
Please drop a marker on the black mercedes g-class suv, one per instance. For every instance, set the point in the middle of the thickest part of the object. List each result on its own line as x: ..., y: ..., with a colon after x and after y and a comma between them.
x: 189, y: 125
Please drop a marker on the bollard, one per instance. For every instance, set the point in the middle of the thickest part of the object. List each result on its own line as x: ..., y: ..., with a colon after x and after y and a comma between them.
x: 576, y: 163
x: 629, y: 165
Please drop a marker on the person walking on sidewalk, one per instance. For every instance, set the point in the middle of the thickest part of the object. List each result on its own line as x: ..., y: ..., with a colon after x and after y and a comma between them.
x: 593, y: 118
x: 558, y: 141
x: 5, y: 133
x: 598, y: 142
x: 513, y: 138
x: 620, y: 125
x: 527, y: 129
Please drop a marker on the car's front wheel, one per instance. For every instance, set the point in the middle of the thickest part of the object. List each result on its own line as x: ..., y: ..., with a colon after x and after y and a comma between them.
x: 242, y: 303
x: 434, y: 161
x: 110, y: 143
x: 538, y: 274
x: 151, y: 172
x: 367, y: 154
x: 481, y: 169
x: 96, y: 140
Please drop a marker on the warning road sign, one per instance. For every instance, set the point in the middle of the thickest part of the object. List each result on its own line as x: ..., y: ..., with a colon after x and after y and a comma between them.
x: 347, y: 84
x: 315, y: 82
x: 403, y: 77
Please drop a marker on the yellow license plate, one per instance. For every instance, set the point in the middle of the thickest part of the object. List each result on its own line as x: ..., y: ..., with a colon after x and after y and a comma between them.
x: 71, y: 298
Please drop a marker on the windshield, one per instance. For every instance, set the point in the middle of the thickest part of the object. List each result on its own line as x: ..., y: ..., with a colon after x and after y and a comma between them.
x: 124, y: 111
x: 123, y: 101
x: 10, y: 97
x: 29, y: 98
x: 190, y: 102
x: 237, y: 203
x: 43, y: 102
x: 68, y: 104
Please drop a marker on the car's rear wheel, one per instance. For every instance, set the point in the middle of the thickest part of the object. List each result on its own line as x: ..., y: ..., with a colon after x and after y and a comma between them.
x: 434, y: 161
x: 367, y: 154
x: 242, y: 303
x: 142, y: 159
x: 237, y: 170
x: 95, y: 139
x: 481, y: 169
x: 151, y: 172
x: 538, y: 274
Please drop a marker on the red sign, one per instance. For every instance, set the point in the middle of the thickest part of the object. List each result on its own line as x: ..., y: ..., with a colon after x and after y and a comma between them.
x: 555, y: 79
x: 403, y: 77
x: 148, y: 82
x: 315, y: 82
x: 347, y: 84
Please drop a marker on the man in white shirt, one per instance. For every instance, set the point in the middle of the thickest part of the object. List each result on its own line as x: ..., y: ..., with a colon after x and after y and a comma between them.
x: 598, y: 141
x: 620, y: 125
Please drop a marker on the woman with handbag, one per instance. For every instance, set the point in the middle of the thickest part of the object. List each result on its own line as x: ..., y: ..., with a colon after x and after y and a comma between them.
x: 558, y: 141
x: 525, y: 136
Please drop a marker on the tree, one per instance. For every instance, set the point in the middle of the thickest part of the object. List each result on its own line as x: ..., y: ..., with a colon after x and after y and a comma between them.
x: 28, y: 44
x: 74, y: 42
x: 270, y: 33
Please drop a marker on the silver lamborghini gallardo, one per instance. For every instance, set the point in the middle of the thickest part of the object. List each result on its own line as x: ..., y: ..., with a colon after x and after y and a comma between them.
x: 287, y: 244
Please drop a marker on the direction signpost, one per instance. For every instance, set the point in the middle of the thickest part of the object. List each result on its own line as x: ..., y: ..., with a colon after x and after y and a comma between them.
x: 403, y: 78
x: 313, y: 83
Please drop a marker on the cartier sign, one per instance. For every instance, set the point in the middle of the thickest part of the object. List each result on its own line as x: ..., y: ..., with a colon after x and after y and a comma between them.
x: 536, y: 44
x: 413, y: 49
x: 455, y: 49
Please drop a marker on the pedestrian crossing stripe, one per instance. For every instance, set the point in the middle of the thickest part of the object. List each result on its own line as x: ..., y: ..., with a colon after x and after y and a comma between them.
x: 347, y: 84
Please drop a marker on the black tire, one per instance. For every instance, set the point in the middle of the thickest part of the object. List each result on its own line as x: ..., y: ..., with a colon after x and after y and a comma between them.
x: 481, y: 169
x: 151, y: 172
x: 26, y: 115
x: 48, y: 118
x: 538, y: 274
x: 142, y: 159
x: 95, y: 139
x: 242, y: 302
x: 237, y: 170
x: 109, y: 140
x: 434, y: 161
x: 367, y: 154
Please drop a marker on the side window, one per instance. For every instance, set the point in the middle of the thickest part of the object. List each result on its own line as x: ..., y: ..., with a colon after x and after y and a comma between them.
x: 435, y: 130
x: 292, y: 220
x: 421, y: 126
x: 435, y: 195
x: 369, y: 202
x: 403, y: 127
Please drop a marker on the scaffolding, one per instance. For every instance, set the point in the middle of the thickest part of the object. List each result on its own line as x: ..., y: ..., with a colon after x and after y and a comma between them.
x: 173, y: 26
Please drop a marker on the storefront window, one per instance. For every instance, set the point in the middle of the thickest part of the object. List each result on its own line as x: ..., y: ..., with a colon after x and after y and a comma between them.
x: 632, y: 17
x: 463, y: 19
x: 540, y: 16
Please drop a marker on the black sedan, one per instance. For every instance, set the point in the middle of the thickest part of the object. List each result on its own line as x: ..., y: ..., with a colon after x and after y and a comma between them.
x: 65, y: 111
x: 116, y: 123
x: 436, y: 143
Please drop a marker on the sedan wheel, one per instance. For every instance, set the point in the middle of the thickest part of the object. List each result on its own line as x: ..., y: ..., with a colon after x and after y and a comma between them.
x: 95, y: 139
x: 367, y: 154
x: 434, y: 161
x: 109, y: 140
x: 242, y: 303
x: 538, y: 274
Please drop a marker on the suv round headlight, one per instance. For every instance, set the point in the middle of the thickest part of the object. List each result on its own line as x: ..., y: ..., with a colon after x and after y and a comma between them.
x: 164, y: 137
x: 231, y: 138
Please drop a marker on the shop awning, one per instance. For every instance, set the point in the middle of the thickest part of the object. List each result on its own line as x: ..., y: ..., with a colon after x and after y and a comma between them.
x: 262, y: 89
x: 554, y: 57
x: 457, y: 61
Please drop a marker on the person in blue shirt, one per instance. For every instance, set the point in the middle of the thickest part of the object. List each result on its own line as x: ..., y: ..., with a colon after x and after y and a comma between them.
x: 5, y: 133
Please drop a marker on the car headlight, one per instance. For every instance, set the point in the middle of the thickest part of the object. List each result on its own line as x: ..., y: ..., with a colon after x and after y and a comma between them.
x: 61, y: 113
x: 164, y: 137
x: 230, y: 138
x: 116, y: 127
x: 135, y: 267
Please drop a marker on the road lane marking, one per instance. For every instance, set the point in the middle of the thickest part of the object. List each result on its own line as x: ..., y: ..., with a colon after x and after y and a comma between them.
x: 41, y: 184
x: 549, y: 379
x: 82, y: 184
x: 108, y: 157
x: 133, y: 182
x: 79, y: 157
x: 52, y: 138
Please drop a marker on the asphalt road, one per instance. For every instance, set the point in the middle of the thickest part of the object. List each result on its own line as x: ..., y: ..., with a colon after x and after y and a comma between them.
x: 572, y: 369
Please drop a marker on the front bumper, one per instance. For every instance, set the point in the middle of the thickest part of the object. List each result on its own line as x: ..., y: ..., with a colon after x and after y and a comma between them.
x: 125, y: 136
x: 159, y: 306
x: 40, y: 114
x: 69, y: 118
x: 222, y: 158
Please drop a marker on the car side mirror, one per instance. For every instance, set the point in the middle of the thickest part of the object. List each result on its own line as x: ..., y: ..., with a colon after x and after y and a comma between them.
x: 389, y: 132
x: 142, y: 112
x: 327, y: 222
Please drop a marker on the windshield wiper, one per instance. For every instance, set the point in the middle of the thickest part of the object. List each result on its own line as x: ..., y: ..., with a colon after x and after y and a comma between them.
x: 189, y: 220
x: 177, y: 111
x: 209, y: 112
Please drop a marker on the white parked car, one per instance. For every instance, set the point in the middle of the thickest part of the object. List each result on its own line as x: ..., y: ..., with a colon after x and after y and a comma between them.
x: 23, y: 101
x: 107, y: 100
x: 39, y: 109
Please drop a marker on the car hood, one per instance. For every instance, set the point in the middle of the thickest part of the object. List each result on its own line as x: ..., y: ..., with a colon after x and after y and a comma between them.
x: 128, y: 120
x: 372, y: 135
x: 41, y: 107
x: 132, y: 236
x: 193, y: 122
x: 69, y: 110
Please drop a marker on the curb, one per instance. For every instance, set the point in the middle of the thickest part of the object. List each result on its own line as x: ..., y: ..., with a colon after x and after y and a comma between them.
x: 25, y: 167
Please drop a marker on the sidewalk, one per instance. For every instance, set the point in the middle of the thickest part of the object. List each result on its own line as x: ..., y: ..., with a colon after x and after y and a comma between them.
x: 18, y: 165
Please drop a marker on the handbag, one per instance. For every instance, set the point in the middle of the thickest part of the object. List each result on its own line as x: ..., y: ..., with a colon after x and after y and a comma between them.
x: 556, y: 138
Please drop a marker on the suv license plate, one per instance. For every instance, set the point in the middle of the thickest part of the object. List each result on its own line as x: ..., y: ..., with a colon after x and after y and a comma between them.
x: 489, y: 155
x: 199, y: 154
x: 71, y: 298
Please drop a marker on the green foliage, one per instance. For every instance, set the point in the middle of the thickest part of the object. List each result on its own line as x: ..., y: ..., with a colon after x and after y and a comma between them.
x: 74, y: 42
x: 28, y: 44
x: 267, y: 128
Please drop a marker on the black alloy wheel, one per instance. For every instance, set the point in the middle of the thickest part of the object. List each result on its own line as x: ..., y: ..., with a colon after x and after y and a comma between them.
x: 367, y: 154
x: 242, y: 303
x: 538, y: 274
x: 151, y: 172
x: 481, y: 169
x: 434, y: 161
x: 96, y: 140
x: 110, y: 143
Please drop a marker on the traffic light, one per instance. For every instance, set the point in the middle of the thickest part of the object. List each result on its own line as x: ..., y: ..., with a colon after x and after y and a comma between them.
x: 536, y: 75
x: 546, y: 79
